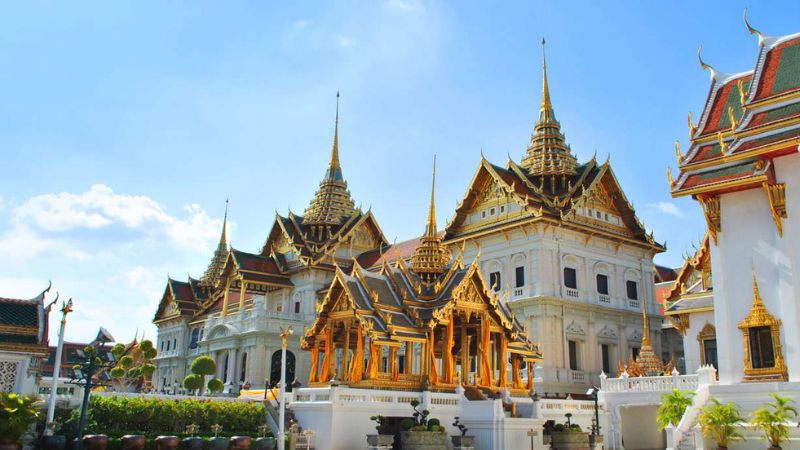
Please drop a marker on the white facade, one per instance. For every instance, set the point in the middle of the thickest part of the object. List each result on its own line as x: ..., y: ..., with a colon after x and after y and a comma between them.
x: 556, y: 314
x: 18, y: 372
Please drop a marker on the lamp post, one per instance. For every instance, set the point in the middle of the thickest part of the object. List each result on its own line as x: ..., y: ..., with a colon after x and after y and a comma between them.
x: 103, y: 337
x: 66, y: 308
x: 282, y: 391
x: 593, y: 391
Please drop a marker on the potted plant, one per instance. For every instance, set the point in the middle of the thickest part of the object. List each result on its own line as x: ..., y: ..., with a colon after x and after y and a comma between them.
x: 95, y: 442
x: 719, y: 422
x: 568, y: 436
x: 383, y: 438
x: 265, y: 442
x: 193, y: 442
x: 423, y: 434
x: 132, y: 442
x: 54, y: 441
x: 241, y: 442
x: 17, y: 414
x: 673, y: 406
x: 772, y: 419
x: 462, y: 440
x: 167, y: 442
x: 218, y: 443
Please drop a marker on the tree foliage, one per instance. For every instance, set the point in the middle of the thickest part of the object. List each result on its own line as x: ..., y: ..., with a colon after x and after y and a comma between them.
x: 773, y: 417
x: 17, y: 414
x: 192, y: 382
x: 134, y: 365
x: 673, y: 406
x: 204, y: 365
x: 215, y: 385
x: 720, y: 422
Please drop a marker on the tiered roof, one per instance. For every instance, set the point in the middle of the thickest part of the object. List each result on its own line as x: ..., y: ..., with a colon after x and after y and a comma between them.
x: 749, y: 119
x: 693, y: 290
x: 23, y: 324
x: 430, y: 256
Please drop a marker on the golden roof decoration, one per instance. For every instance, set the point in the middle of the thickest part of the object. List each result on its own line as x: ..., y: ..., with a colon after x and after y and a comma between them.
x: 647, y: 362
x: 548, y: 153
x: 431, y: 256
x: 332, y: 202
x: 212, y: 274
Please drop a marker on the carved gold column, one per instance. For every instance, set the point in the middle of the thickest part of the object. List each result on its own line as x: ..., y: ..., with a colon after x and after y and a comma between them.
x: 465, y: 362
x: 242, y: 290
x: 409, y: 368
x: 312, y: 374
x: 346, y: 352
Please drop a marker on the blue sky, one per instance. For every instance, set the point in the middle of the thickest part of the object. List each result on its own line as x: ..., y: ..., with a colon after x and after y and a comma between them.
x: 124, y: 126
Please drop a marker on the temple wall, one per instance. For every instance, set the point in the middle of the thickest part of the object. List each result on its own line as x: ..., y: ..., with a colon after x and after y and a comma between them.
x: 691, y: 346
x: 749, y: 239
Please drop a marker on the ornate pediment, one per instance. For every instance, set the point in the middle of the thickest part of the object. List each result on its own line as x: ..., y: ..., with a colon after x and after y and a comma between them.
x: 575, y: 328
x: 636, y: 336
x: 607, y: 333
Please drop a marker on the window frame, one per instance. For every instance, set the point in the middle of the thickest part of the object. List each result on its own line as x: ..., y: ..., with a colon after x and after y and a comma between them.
x: 574, y: 272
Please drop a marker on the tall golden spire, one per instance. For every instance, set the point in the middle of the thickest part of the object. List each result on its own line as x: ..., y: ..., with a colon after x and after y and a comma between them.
x: 648, y: 362
x: 548, y: 153
x: 332, y: 202
x: 431, y: 256
x: 212, y: 273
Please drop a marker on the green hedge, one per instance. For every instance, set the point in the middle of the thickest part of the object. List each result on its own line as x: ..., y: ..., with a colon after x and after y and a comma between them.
x: 118, y: 416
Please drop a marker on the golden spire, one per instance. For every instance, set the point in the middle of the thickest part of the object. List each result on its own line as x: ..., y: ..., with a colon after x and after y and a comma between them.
x: 548, y: 153
x: 332, y: 202
x: 212, y: 273
x: 648, y: 362
x: 431, y: 256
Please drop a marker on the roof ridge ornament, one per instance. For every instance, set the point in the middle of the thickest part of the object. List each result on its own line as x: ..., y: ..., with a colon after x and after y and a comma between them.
x: 431, y: 256
x: 752, y: 30
x: 704, y: 65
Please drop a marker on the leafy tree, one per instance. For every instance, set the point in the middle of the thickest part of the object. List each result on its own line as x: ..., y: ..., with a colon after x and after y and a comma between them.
x: 192, y: 382
x: 203, y: 366
x: 215, y: 385
x: 720, y: 421
x: 134, y: 364
x: 772, y: 419
x: 673, y: 406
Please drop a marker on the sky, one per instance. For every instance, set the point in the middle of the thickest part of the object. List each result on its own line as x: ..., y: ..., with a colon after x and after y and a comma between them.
x: 124, y: 126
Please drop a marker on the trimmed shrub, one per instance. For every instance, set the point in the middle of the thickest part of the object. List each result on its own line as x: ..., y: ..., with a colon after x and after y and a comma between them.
x: 407, y: 423
x: 204, y: 365
x: 146, y: 345
x: 215, y: 385
x: 118, y: 416
x: 192, y: 382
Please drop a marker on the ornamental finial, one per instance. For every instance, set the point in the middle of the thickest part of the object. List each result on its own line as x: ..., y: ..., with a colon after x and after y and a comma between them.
x: 223, y: 239
x: 704, y: 65
x: 752, y: 30
x: 546, y: 104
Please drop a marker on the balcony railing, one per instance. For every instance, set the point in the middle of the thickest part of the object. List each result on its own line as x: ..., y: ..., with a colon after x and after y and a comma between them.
x: 603, y: 298
x: 572, y: 292
x: 633, y: 304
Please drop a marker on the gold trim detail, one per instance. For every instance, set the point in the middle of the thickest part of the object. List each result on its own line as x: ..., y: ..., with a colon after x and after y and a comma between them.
x: 709, y: 332
x: 758, y: 316
x: 712, y: 213
x: 776, y: 193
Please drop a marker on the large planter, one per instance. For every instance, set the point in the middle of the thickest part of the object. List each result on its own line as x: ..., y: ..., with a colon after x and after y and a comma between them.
x: 54, y: 442
x: 167, y: 442
x: 241, y: 442
x: 219, y: 443
x: 380, y: 440
x: 95, y: 442
x: 423, y: 440
x: 462, y: 441
x: 596, y: 440
x: 266, y: 443
x: 193, y: 443
x: 10, y: 446
x: 560, y: 440
x: 132, y: 442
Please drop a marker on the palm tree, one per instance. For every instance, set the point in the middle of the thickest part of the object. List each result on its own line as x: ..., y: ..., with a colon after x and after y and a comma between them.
x: 772, y: 420
x: 719, y: 422
x: 673, y: 406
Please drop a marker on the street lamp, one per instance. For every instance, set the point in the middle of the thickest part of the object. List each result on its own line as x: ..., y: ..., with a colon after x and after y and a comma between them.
x: 66, y: 308
x: 103, y: 337
x: 593, y: 391
x: 282, y: 391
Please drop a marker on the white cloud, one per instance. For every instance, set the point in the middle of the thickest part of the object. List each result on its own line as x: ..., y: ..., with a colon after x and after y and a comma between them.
x: 301, y: 24
x: 75, y: 224
x: 405, y: 5
x: 345, y: 41
x: 667, y: 208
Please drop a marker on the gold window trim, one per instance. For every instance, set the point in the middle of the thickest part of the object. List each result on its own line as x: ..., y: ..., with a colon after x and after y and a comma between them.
x: 759, y: 316
x: 708, y: 333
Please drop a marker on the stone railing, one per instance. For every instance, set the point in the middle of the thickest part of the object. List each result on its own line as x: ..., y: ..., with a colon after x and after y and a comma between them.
x: 369, y: 397
x: 603, y: 298
x: 626, y: 383
x: 572, y: 293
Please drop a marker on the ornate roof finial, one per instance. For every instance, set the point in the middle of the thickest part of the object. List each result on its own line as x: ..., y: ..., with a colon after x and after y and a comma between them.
x: 332, y: 202
x: 212, y: 273
x: 431, y: 256
x: 753, y: 30
x: 548, y: 153
x: 223, y: 239
x: 704, y: 65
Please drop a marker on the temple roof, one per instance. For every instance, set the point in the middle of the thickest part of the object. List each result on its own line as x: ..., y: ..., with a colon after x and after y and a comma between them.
x: 592, y: 184
x: 181, y: 299
x: 396, y: 304
x: 748, y: 119
x: 23, y: 324
x: 332, y: 204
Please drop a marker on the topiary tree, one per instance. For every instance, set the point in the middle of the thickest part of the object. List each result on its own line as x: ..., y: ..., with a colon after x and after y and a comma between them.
x: 215, y: 385
x: 192, y: 382
x: 203, y: 366
x: 134, y: 368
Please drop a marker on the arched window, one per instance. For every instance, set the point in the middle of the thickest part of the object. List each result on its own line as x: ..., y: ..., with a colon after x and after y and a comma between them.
x: 297, y: 307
